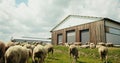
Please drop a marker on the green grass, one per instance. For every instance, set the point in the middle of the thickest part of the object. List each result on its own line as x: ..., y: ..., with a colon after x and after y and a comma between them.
x: 61, y: 55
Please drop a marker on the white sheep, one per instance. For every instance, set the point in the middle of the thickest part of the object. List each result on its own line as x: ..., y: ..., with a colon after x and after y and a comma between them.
x: 66, y: 44
x: 49, y: 48
x: 29, y: 48
x: 103, y: 51
x: 39, y: 54
x: 77, y: 43
x: 73, y: 51
x: 84, y: 46
x: 16, y: 54
x: 92, y: 45
x: 101, y: 43
x: 9, y: 44
x: 109, y: 44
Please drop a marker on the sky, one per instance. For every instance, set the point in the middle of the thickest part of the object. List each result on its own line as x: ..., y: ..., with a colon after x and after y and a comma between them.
x: 35, y: 18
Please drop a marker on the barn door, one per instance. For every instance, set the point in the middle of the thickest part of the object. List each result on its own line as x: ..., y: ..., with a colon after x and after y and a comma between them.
x: 84, y: 36
x: 71, y: 36
x: 59, y: 38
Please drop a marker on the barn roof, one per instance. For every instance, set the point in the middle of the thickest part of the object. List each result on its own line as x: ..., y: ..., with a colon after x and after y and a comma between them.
x: 83, y: 17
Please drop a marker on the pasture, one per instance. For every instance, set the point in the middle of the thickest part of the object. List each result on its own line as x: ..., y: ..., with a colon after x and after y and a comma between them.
x: 87, y: 55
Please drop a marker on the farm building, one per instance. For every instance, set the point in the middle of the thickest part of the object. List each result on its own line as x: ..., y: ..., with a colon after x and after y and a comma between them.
x: 30, y: 39
x: 75, y: 28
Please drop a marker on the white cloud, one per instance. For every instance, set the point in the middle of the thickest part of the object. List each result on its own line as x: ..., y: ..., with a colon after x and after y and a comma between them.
x: 40, y: 16
x: 103, y: 8
x: 36, y: 19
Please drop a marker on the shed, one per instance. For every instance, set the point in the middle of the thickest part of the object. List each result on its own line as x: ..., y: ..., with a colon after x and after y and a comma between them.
x: 76, y: 28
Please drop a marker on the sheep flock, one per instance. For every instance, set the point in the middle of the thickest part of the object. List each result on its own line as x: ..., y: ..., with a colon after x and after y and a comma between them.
x: 14, y: 52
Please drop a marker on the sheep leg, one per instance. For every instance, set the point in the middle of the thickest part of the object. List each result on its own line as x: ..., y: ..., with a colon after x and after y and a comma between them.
x: 52, y: 51
x: 33, y: 60
x: 101, y: 57
x: 106, y: 59
x: 40, y: 60
x: 70, y: 52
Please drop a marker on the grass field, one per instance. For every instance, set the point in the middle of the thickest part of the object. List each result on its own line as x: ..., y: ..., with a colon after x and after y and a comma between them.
x: 61, y: 55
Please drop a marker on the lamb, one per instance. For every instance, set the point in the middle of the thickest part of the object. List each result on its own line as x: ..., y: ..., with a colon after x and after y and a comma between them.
x: 73, y: 51
x: 16, y: 54
x: 103, y: 51
x: 2, y: 51
x: 39, y: 54
x: 49, y: 48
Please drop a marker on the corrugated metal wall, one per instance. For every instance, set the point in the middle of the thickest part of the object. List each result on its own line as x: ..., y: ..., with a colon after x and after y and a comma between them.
x: 96, y: 30
x: 112, y: 32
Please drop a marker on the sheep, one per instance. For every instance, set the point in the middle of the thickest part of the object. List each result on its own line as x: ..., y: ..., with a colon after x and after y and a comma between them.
x: 9, y: 44
x: 103, y: 51
x: 16, y: 54
x: 2, y: 51
x: 66, y: 44
x: 39, y: 54
x: 26, y: 53
x: 101, y: 43
x: 29, y: 48
x: 73, y: 51
x: 84, y: 46
x: 77, y: 43
x: 49, y: 48
x: 109, y: 44
x: 92, y: 45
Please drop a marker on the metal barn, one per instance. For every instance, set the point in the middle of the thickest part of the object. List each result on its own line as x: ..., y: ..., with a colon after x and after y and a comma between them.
x: 75, y: 28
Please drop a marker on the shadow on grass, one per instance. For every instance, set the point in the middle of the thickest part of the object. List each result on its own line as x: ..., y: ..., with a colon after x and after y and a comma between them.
x: 80, y: 62
x: 108, y: 62
x: 53, y: 58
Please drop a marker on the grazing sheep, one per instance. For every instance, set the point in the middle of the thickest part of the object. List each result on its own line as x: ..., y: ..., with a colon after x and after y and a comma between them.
x: 66, y: 44
x: 27, y: 45
x: 103, y: 51
x: 29, y: 48
x: 73, y: 51
x: 25, y: 55
x: 9, y: 44
x: 92, y: 45
x: 84, y: 46
x: 39, y: 54
x: 2, y: 51
x: 109, y: 44
x: 32, y: 46
x: 101, y: 43
x: 49, y: 48
x: 77, y: 43
x: 97, y: 46
x: 16, y: 54
x: 17, y: 43
x: 87, y: 43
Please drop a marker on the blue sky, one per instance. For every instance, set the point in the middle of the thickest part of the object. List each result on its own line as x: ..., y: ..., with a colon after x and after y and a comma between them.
x: 35, y: 18
x: 21, y: 1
